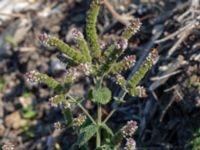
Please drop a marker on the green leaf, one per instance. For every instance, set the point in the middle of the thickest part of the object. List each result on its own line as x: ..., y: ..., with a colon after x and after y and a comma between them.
x: 11, y: 40
x: 107, y: 129
x: 102, y: 95
x: 86, y: 134
x: 68, y: 115
x: 117, y: 138
x: 107, y: 133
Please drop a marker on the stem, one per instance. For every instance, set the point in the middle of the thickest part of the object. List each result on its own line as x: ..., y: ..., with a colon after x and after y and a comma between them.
x: 99, y: 125
x: 82, y: 108
x: 114, y: 110
x: 99, y: 113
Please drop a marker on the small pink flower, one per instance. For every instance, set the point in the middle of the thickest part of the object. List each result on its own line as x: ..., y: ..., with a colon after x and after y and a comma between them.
x: 32, y: 76
x: 43, y: 38
x: 129, y: 61
x: 76, y: 33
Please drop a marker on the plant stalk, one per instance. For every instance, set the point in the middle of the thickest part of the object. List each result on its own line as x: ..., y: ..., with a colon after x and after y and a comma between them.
x: 99, y: 126
x: 82, y: 108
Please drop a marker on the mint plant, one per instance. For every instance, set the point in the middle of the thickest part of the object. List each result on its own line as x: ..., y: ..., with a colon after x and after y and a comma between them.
x: 97, y: 61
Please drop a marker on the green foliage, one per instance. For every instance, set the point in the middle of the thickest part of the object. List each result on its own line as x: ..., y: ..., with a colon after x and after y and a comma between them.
x: 104, y: 147
x: 28, y: 131
x: 28, y: 112
x: 117, y: 138
x: 86, y: 134
x: 102, y: 95
x: 196, y: 140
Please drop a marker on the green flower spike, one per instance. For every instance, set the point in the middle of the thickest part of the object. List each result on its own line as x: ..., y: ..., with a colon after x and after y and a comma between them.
x: 138, y: 91
x: 79, y: 38
x: 139, y: 75
x: 120, y: 46
x: 92, y: 37
x: 63, y: 47
x: 124, y: 64
x: 35, y: 77
x: 133, y: 28
x: 56, y: 100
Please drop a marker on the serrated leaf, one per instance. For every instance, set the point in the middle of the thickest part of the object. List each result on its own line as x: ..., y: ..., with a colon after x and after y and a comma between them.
x: 117, y: 138
x: 102, y: 95
x: 86, y: 134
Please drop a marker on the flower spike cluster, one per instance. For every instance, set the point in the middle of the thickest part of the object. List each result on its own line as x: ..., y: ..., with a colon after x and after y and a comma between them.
x: 93, y: 57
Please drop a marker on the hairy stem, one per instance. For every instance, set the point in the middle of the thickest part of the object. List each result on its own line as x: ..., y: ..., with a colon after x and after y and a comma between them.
x: 99, y: 126
x: 82, y: 108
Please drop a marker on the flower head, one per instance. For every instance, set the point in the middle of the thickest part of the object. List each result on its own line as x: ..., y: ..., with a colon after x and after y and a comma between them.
x: 129, y: 129
x: 79, y: 120
x: 67, y: 104
x: 130, y: 144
